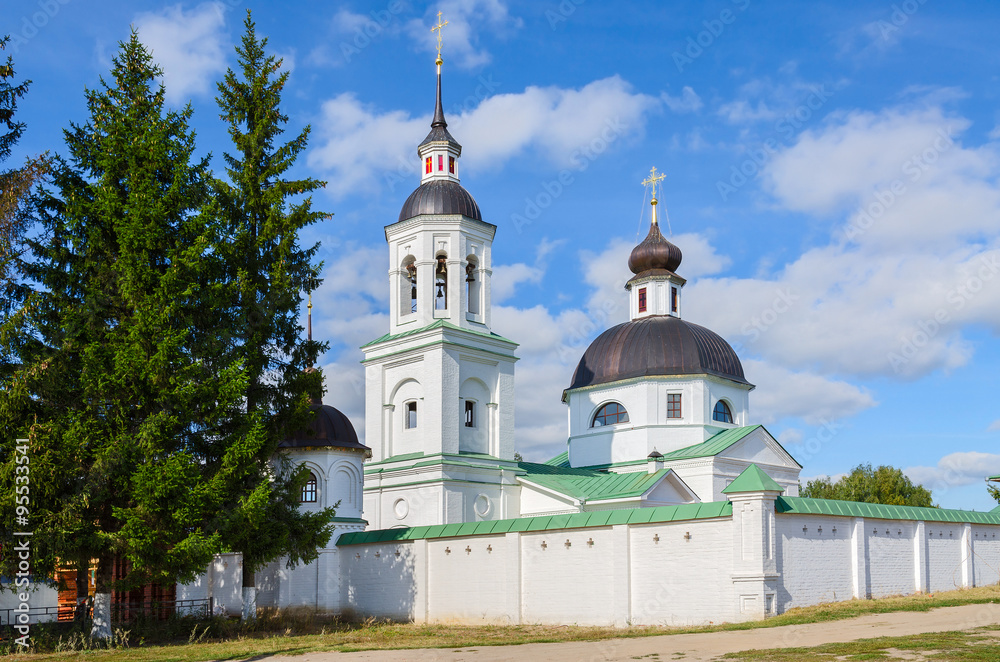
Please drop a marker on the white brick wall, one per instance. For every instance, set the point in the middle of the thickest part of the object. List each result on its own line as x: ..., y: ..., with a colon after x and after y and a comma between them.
x: 801, y: 553
x: 678, y: 580
x: 470, y: 578
x: 676, y: 573
x: 944, y: 556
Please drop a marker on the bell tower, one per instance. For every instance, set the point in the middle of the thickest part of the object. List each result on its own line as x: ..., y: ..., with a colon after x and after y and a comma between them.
x: 439, y: 391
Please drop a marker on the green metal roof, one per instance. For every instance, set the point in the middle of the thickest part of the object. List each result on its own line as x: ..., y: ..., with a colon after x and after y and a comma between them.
x: 437, y: 324
x: 715, y: 444
x: 589, y: 485
x: 753, y: 479
x: 996, y: 510
x: 804, y: 506
x: 997, y: 478
x: 656, y: 515
x: 561, y: 460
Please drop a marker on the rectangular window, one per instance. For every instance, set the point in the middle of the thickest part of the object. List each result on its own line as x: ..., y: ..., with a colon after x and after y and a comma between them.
x: 440, y: 162
x: 673, y: 299
x: 673, y: 405
x: 451, y: 164
x: 642, y: 299
x: 427, y: 165
x: 470, y: 414
x: 411, y: 415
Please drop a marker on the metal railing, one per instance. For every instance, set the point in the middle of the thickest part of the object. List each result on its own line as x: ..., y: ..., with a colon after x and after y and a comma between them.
x: 120, y: 612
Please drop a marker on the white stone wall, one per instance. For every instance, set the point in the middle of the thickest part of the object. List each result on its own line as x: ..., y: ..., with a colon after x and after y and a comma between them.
x: 676, y: 573
x: 40, y: 595
x: 669, y: 572
x: 799, y: 554
x: 222, y: 582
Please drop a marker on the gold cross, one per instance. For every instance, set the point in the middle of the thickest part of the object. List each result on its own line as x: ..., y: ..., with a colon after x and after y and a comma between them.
x: 653, y: 180
x: 437, y: 28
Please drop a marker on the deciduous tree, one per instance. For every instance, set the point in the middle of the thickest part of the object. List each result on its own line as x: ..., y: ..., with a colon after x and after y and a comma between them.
x: 882, y: 484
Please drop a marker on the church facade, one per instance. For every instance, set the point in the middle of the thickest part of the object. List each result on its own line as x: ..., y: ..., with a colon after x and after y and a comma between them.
x: 669, y: 505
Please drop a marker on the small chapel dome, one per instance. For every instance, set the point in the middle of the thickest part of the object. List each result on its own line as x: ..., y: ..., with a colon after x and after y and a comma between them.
x: 329, y: 427
x: 659, y: 345
x: 440, y: 196
x: 655, y: 252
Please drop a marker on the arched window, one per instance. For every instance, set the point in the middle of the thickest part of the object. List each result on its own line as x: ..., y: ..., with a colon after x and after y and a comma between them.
x: 309, y: 489
x: 610, y: 414
x: 722, y: 412
x: 410, y: 413
x: 472, y: 285
x: 441, y: 283
x: 408, y: 286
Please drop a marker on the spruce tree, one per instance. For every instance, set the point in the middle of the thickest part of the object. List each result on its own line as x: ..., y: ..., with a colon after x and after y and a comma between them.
x: 267, y: 272
x: 15, y: 187
x: 112, y: 388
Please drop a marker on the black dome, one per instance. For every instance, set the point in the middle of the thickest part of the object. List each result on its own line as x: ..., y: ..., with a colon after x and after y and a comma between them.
x: 329, y: 428
x: 440, y: 196
x: 655, y: 252
x: 656, y: 345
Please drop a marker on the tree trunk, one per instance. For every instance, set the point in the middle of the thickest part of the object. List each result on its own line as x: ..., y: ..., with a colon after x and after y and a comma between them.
x: 249, y: 595
x: 101, y: 627
x: 82, y: 590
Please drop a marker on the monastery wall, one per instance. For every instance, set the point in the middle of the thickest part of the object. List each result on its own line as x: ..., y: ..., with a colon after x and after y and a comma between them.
x: 672, y: 573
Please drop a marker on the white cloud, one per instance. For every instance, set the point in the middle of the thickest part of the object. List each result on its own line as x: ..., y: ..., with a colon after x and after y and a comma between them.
x: 362, y: 148
x: 765, y: 100
x: 892, y: 300
x: 507, y: 277
x: 790, y: 437
x: 815, y: 399
x: 994, y: 426
x: 460, y: 38
x: 190, y: 47
x: 687, y: 102
x: 955, y: 470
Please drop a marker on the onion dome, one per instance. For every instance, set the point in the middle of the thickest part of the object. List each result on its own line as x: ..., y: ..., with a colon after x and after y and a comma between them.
x: 655, y: 252
x: 440, y: 196
x: 659, y: 345
x: 329, y: 427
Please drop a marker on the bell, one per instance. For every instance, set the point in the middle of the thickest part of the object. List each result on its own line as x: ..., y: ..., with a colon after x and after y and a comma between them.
x: 470, y: 270
x: 440, y: 290
x: 411, y: 272
x: 442, y: 266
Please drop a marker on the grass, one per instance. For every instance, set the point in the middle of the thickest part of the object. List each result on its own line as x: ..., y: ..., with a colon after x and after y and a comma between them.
x: 981, y: 644
x: 295, y: 631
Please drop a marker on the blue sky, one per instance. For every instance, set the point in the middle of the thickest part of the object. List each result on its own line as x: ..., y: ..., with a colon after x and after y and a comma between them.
x: 831, y: 178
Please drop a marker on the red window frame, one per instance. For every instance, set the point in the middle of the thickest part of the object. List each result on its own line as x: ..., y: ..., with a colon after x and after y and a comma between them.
x: 642, y: 299
x: 673, y: 299
x: 440, y: 162
x: 610, y: 414
x: 451, y: 164
x: 674, y: 405
x: 428, y: 165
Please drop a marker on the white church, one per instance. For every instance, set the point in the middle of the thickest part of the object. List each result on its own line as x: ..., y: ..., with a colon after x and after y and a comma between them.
x: 669, y: 505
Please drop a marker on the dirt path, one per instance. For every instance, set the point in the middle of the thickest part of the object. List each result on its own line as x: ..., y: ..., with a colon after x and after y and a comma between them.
x: 696, y: 647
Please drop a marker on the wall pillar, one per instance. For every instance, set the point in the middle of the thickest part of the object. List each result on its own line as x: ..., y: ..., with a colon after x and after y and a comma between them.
x: 755, y: 573
x: 859, y: 559
x: 968, y: 579
x: 920, y: 557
